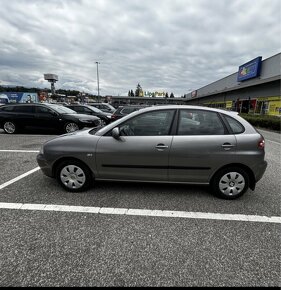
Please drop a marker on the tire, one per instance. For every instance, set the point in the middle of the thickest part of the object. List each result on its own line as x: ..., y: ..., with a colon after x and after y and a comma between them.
x: 103, y: 123
x: 230, y: 183
x: 10, y: 127
x: 74, y: 176
x: 70, y: 127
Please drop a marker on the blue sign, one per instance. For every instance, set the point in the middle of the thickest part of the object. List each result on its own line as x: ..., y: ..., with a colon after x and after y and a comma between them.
x: 11, y: 97
x: 250, y: 70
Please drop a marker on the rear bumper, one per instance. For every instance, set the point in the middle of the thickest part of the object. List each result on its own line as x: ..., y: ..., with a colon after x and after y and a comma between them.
x: 44, y: 166
x: 260, y: 170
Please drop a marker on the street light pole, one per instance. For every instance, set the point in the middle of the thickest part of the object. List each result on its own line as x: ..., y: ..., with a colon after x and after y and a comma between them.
x: 98, y: 81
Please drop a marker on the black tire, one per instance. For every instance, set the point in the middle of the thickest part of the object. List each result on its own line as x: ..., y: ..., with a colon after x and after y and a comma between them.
x: 230, y: 183
x: 10, y: 127
x: 74, y: 176
x: 70, y: 127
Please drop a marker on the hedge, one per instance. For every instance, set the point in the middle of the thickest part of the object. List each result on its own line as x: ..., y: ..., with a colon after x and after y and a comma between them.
x: 263, y: 121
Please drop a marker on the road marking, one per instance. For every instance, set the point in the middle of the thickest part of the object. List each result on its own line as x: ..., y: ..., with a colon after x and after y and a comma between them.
x: 20, y: 151
x: 18, y: 178
x: 141, y: 212
x: 273, y: 142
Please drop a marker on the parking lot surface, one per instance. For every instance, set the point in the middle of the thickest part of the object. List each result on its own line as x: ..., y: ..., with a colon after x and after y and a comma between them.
x: 159, y: 235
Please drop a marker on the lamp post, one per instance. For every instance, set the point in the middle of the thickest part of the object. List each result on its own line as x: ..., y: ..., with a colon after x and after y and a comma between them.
x: 98, y: 81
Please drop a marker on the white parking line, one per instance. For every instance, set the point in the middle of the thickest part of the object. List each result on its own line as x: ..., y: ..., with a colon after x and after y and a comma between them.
x: 273, y: 142
x: 20, y: 151
x: 142, y: 212
x: 18, y: 178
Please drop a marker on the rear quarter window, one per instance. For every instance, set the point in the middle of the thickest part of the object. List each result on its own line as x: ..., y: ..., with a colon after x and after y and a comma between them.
x: 236, y: 127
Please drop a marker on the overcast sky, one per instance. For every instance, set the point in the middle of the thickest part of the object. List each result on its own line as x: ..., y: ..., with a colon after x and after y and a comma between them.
x: 165, y: 45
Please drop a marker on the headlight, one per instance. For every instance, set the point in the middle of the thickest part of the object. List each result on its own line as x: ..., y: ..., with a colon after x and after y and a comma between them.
x: 109, y: 117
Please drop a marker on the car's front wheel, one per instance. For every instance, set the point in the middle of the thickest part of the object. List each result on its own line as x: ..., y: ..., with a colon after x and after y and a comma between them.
x: 74, y: 175
x: 10, y: 127
x: 71, y: 127
x: 230, y: 183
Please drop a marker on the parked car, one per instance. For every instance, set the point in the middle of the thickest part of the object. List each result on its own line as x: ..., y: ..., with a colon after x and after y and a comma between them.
x: 15, y: 117
x: 167, y: 144
x: 122, y: 111
x: 105, y: 107
x: 89, y: 110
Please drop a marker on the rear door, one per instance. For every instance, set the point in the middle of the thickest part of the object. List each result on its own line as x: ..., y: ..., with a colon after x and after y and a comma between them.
x: 142, y: 152
x: 24, y: 115
x: 201, y: 145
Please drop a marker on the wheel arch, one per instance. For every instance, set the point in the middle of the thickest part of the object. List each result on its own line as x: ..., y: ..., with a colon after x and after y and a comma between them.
x: 63, y: 159
x: 252, y: 179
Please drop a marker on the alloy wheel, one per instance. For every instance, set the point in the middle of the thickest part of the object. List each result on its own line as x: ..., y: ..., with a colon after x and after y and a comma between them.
x: 9, y: 127
x: 71, y: 127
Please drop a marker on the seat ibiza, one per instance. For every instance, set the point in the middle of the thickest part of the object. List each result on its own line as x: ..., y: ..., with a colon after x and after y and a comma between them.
x: 163, y: 144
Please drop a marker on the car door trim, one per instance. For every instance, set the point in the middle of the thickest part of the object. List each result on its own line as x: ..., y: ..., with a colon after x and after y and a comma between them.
x: 156, y: 167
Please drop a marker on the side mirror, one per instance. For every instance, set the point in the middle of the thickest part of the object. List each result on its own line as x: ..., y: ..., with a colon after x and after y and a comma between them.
x: 116, y: 133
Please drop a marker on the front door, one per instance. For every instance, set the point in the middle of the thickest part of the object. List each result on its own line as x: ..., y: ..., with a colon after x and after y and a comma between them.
x: 141, y: 153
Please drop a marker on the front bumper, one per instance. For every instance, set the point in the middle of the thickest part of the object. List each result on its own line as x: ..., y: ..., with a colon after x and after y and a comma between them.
x: 44, y: 166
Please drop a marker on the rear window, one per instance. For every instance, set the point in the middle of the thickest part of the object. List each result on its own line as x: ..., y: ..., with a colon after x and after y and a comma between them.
x: 236, y: 127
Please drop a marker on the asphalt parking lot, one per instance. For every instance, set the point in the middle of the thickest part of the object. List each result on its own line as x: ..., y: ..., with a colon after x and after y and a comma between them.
x: 126, y: 234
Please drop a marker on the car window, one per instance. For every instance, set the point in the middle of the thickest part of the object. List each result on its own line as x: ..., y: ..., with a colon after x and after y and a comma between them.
x: 87, y: 110
x: 235, y: 126
x: 199, y: 122
x: 157, y: 123
x: 23, y: 109
x: 78, y: 109
x: 96, y: 110
x: 42, y: 110
x: 126, y: 111
x: 61, y: 109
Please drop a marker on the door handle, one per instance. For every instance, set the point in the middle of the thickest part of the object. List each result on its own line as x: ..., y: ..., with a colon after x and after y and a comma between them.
x: 161, y: 147
x: 227, y: 146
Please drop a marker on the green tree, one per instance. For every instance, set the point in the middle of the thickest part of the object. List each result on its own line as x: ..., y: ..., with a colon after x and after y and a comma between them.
x: 139, y: 91
x: 172, y: 95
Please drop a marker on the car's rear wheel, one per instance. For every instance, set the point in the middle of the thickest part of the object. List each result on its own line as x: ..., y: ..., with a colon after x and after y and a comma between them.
x: 74, y: 175
x: 10, y: 127
x: 71, y: 127
x: 230, y: 183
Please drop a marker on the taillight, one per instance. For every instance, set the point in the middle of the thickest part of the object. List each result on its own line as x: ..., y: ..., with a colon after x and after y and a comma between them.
x: 261, y: 144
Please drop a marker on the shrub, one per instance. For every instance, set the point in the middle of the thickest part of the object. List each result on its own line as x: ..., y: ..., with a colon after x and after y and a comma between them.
x: 263, y: 121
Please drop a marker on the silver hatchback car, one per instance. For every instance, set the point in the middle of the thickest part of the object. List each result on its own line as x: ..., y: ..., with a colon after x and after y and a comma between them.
x: 163, y: 144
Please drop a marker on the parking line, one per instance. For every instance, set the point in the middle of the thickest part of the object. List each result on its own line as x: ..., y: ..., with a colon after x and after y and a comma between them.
x: 270, y: 141
x: 141, y: 212
x: 18, y: 178
x: 20, y: 151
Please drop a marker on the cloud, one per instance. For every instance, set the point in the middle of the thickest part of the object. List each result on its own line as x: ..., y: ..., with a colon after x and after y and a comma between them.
x: 161, y: 44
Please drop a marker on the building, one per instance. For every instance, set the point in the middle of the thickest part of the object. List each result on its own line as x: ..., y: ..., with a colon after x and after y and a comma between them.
x: 254, y: 88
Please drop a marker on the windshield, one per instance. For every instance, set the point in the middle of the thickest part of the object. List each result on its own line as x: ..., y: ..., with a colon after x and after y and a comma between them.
x: 61, y: 109
x: 94, y: 109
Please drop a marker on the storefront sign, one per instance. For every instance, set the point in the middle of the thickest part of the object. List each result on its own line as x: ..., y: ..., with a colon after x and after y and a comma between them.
x: 249, y: 70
